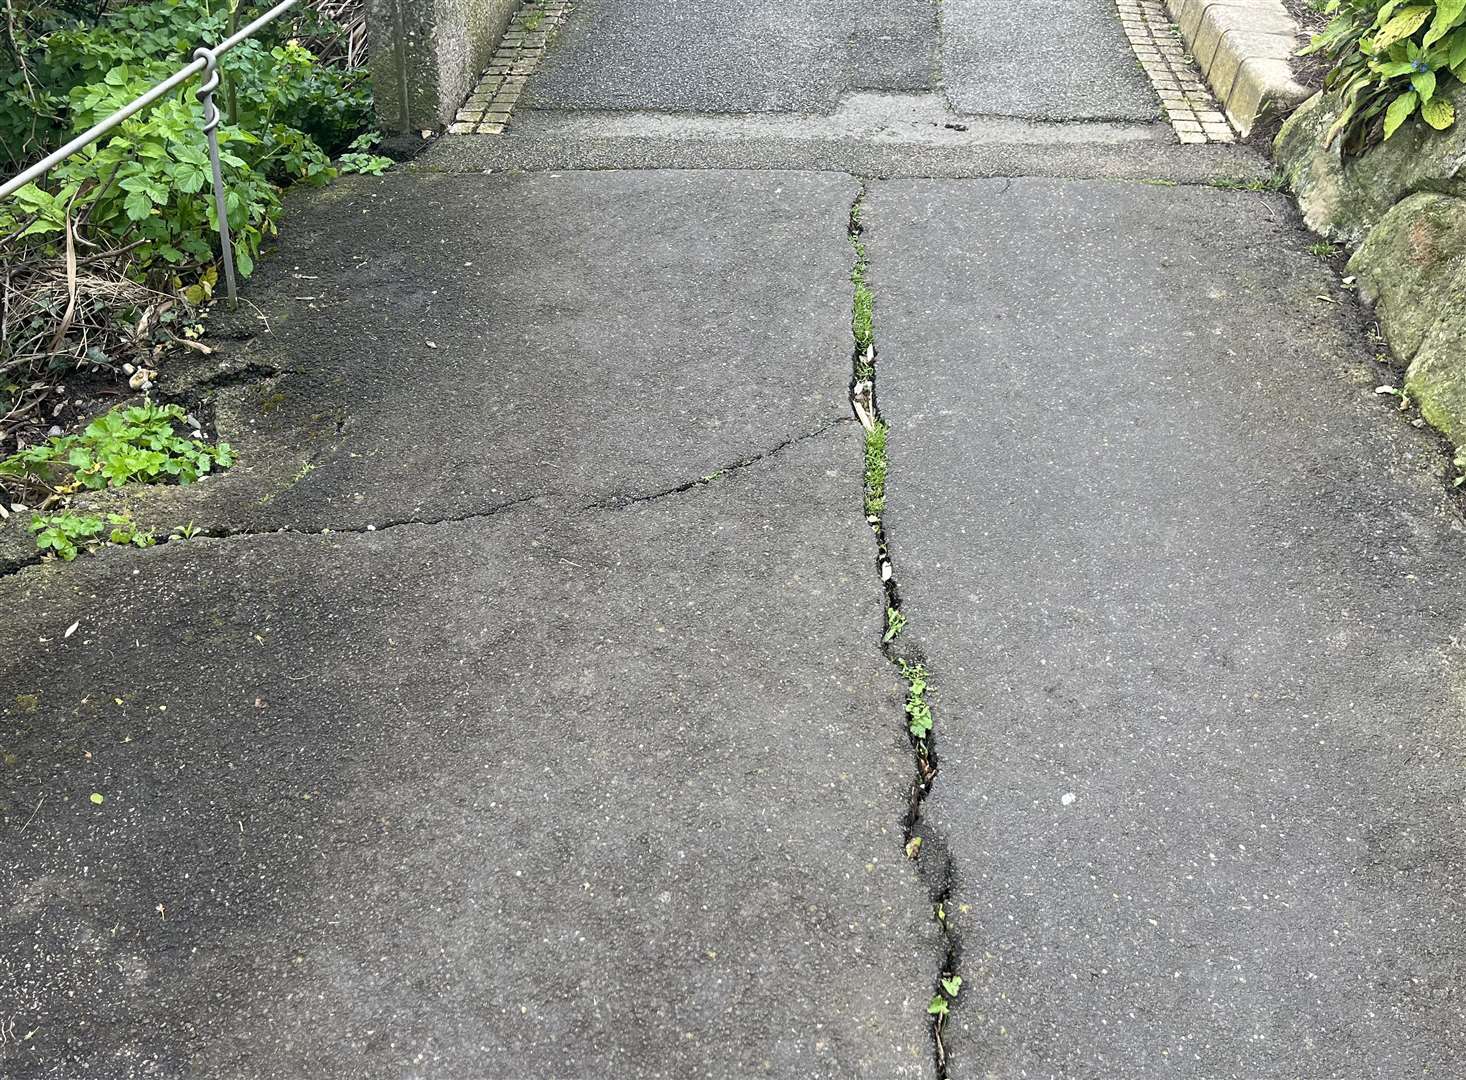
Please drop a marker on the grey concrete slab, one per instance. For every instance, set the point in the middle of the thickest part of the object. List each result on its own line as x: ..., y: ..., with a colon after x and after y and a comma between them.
x: 608, y: 794
x: 895, y: 45
x: 454, y: 344
x: 697, y: 55
x: 1193, y: 600
x: 709, y: 56
x: 1044, y: 60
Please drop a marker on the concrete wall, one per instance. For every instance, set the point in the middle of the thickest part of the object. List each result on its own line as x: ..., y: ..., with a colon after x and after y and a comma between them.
x: 428, y: 54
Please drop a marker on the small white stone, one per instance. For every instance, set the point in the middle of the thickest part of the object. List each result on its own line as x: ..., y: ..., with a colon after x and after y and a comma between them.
x: 1068, y: 799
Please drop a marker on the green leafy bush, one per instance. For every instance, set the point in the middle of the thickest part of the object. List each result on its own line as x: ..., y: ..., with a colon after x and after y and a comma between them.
x: 1392, y: 60
x: 139, y: 444
x: 149, y: 183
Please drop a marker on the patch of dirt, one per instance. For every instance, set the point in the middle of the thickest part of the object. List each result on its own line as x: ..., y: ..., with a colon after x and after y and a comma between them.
x: 1308, y: 70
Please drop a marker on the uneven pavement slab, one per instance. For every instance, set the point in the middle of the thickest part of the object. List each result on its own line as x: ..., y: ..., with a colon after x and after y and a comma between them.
x: 1193, y: 603
x: 428, y: 347
x: 713, y: 56
x: 886, y: 135
x: 604, y: 794
x: 1044, y: 60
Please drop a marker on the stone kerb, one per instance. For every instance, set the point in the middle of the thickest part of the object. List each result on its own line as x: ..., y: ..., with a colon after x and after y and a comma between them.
x: 1242, y: 47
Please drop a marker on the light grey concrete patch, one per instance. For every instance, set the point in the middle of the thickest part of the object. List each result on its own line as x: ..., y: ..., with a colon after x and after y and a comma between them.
x: 605, y: 794
x: 988, y: 148
x: 872, y: 119
x: 1055, y: 60
x: 1168, y: 554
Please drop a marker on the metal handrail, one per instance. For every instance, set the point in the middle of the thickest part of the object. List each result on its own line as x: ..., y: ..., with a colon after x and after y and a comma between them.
x: 206, y: 61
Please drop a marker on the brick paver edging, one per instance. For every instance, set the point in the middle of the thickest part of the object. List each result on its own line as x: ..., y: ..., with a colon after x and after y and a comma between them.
x: 1191, y: 110
x: 492, y: 102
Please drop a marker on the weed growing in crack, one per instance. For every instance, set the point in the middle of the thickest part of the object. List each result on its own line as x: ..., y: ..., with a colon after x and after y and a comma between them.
x: 875, y: 470
x: 147, y: 444
x: 67, y: 535
x: 1323, y: 250
x: 918, y: 711
x: 942, y: 1000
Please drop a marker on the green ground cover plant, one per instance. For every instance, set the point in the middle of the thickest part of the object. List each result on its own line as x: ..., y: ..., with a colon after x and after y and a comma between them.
x: 136, y: 444
x: 139, y: 444
x: 67, y: 535
x: 1392, y: 60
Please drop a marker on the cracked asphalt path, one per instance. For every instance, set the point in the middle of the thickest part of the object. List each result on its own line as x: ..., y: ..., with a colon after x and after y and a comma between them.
x: 1193, y: 599
x: 527, y: 713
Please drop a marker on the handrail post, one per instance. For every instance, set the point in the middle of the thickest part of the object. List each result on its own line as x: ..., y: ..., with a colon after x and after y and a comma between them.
x: 211, y: 130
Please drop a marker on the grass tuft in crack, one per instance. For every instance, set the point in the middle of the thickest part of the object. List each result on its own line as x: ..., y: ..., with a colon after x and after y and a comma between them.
x: 875, y: 470
x: 920, y: 720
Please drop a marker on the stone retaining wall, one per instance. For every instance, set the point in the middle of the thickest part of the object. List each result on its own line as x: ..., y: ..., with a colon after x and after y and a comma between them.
x: 1402, y: 207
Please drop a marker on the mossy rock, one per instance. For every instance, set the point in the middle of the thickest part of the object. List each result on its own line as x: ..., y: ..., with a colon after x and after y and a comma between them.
x: 1344, y: 200
x: 1436, y: 380
x: 1408, y: 264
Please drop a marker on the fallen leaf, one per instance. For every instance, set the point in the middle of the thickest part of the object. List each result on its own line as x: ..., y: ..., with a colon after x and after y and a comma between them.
x: 97, y: 798
x: 71, y: 629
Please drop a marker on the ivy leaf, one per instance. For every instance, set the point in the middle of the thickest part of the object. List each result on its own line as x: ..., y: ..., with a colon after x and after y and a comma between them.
x: 953, y: 986
x: 1439, y: 114
x: 938, y: 1006
x: 1399, y: 111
